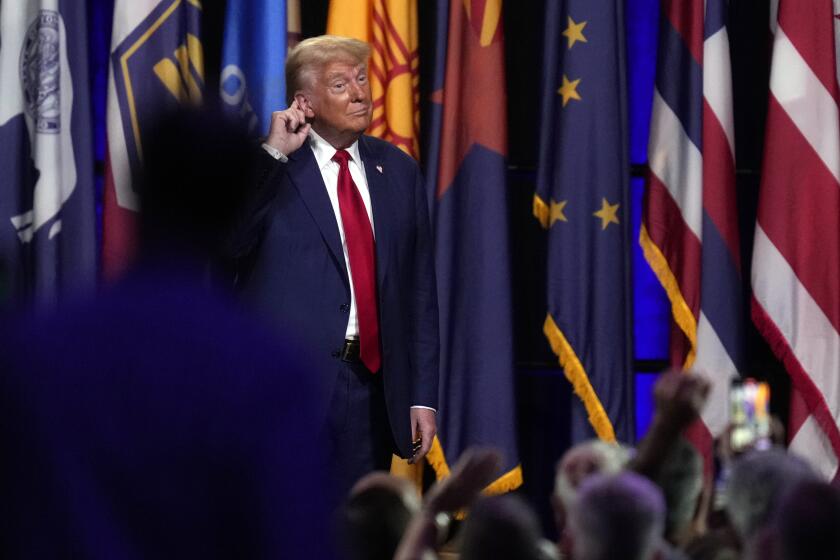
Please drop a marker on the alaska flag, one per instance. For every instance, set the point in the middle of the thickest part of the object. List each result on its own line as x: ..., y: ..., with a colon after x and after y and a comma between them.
x: 466, y: 173
x: 47, y: 215
x: 582, y: 202
x: 253, y: 82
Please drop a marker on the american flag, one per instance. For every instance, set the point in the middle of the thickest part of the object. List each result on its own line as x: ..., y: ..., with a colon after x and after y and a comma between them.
x: 796, y: 255
x: 689, y: 229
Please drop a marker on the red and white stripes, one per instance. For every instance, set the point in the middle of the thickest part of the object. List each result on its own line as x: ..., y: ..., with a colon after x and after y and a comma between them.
x: 796, y: 258
x: 690, y: 228
x: 719, y: 346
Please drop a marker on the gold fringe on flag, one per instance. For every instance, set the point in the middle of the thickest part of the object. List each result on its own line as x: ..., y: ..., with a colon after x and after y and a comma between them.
x: 577, y: 376
x: 679, y: 308
x: 509, y: 481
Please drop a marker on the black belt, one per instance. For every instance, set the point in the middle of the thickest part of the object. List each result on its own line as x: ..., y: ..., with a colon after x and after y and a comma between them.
x: 350, y: 351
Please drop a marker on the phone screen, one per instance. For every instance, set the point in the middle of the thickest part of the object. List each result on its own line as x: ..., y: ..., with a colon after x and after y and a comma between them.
x: 749, y: 414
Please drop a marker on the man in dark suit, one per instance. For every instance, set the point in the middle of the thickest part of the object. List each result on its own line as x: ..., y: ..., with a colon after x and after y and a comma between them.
x: 336, y: 247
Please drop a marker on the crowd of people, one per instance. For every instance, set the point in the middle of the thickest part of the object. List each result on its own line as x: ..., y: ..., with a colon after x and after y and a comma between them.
x: 611, y: 501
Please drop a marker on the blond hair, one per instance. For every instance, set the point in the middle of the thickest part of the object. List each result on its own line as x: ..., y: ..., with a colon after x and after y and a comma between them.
x: 314, y: 53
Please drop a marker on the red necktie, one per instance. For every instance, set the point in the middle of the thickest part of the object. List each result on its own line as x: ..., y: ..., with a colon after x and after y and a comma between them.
x: 360, y: 251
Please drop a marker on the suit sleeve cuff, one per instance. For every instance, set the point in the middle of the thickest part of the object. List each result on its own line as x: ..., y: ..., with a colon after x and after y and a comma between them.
x: 275, y: 153
x: 426, y: 407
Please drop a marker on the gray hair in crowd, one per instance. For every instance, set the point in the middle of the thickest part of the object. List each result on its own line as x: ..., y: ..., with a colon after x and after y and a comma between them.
x: 312, y: 54
x: 617, y: 516
x: 592, y: 457
x: 760, y: 480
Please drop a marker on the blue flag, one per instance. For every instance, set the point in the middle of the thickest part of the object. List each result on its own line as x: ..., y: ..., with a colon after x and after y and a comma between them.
x: 253, y: 82
x: 582, y: 202
x: 47, y: 214
x: 466, y: 170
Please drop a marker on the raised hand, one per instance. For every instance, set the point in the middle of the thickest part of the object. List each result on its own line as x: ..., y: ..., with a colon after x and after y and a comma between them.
x: 476, y: 468
x: 288, y: 129
x: 680, y: 396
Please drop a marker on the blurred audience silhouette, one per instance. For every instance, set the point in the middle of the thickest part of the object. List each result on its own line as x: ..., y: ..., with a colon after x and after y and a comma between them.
x: 617, y: 516
x: 806, y: 525
x: 503, y: 527
x: 156, y: 420
x: 376, y: 515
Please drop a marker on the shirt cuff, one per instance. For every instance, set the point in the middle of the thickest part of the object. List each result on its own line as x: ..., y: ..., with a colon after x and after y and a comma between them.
x: 275, y: 153
x: 426, y: 407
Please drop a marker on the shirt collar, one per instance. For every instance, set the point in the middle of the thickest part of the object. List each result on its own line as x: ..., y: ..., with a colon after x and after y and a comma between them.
x: 324, y: 151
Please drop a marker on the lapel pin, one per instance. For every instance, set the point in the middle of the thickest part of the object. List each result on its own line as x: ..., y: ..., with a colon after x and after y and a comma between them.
x: 379, y: 168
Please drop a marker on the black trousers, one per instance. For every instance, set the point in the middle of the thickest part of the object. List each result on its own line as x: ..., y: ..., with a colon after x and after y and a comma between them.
x: 359, y: 433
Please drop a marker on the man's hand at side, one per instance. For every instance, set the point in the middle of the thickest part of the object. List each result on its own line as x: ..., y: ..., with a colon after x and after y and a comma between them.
x: 424, y: 428
x: 288, y: 129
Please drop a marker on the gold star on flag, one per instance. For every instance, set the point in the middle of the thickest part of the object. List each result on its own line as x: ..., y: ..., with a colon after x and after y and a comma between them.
x: 557, y: 214
x: 569, y: 90
x: 607, y: 213
x: 574, y: 32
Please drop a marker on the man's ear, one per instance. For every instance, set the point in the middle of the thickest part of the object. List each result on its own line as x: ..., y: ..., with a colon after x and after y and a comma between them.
x: 304, y: 104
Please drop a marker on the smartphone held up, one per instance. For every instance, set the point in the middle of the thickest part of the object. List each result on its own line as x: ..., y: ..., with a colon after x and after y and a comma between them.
x: 749, y: 402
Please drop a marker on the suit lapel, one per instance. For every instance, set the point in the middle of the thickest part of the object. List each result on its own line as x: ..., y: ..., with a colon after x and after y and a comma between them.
x: 380, y: 202
x: 306, y: 177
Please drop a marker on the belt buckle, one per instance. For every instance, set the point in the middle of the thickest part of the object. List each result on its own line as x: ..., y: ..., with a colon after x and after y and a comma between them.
x: 350, y: 351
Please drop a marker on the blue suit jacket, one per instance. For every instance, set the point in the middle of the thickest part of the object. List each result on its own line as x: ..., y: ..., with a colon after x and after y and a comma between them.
x: 292, y: 269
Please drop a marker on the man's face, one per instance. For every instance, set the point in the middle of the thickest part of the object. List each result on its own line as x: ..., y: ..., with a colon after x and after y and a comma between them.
x: 340, y: 101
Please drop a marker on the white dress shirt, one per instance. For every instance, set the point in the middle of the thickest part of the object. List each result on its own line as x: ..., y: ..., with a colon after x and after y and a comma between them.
x: 324, y: 153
